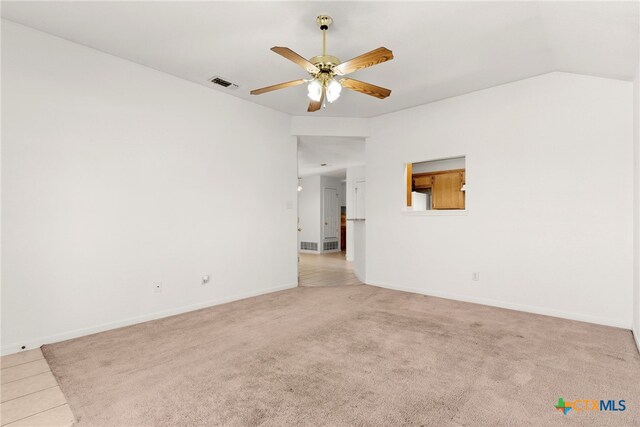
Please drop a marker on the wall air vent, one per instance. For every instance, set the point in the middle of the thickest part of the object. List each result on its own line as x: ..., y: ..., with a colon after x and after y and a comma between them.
x: 330, y: 246
x: 222, y: 82
x: 309, y: 246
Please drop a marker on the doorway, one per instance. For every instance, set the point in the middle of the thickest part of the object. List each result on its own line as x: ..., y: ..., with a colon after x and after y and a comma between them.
x: 323, y: 230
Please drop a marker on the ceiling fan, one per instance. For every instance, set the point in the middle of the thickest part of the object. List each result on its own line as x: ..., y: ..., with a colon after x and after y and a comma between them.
x: 324, y: 68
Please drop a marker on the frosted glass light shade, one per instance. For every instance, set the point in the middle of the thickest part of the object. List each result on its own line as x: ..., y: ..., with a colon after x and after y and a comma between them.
x: 333, y: 90
x: 315, y: 90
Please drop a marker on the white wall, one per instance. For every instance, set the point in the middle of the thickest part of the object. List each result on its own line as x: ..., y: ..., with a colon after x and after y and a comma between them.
x: 636, y: 208
x: 309, y: 210
x: 116, y: 176
x: 549, y: 198
x: 354, y: 174
x: 330, y: 126
x: 360, y: 250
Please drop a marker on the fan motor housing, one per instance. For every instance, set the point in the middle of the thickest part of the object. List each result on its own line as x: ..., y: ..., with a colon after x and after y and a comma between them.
x: 325, y: 62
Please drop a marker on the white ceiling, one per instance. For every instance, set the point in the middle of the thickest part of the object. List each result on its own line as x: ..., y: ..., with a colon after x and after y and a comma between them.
x: 337, y: 152
x: 441, y: 49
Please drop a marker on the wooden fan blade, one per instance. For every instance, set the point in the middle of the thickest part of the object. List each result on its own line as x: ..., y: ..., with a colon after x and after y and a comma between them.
x: 276, y: 87
x: 315, y: 106
x: 366, y: 88
x: 294, y: 57
x: 365, y: 60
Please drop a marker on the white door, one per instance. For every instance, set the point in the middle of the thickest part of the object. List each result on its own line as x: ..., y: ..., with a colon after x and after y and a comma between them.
x: 330, y: 214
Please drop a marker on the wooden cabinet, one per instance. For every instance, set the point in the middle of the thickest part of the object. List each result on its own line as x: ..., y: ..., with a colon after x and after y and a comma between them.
x: 422, y: 181
x: 446, y: 187
x: 446, y: 191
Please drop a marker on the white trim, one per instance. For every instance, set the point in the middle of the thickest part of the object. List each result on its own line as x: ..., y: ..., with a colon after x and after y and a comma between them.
x: 617, y: 323
x: 35, y: 343
x: 636, y: 337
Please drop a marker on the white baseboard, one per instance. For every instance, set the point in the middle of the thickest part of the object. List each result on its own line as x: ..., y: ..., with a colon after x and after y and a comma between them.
x: 15, y: 347
x: 636, y: 336
x: 35, y: 343
x: 617, y: 323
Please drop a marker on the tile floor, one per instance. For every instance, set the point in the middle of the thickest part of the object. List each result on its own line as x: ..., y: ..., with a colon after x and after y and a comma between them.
x: 330, y: 269
x: 30, y: 395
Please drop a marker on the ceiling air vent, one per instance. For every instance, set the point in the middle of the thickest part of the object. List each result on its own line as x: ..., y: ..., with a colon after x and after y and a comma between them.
x: 222, y: 82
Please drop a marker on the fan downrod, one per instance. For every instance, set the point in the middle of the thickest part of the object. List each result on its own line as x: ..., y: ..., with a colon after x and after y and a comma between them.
x: 324, y: 62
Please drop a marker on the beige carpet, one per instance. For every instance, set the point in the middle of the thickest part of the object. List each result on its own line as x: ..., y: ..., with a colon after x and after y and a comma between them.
x: 352, y: 355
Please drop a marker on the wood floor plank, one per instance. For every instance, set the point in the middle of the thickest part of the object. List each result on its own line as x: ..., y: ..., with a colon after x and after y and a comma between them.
x: 326, y: 270
x: 27, y: 385
x: 20, y: 358
x: 31, y: 404
x: 60, y: 416
x: 24, y: 370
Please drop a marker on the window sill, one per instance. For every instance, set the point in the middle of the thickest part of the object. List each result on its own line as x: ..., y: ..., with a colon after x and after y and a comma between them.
x: 437, y: 212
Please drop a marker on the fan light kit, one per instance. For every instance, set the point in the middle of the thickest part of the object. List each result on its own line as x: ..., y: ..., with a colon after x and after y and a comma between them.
x: 324, y: 68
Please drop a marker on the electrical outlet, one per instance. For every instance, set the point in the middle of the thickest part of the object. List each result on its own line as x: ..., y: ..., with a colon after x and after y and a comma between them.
x: 205, y: 279
x: 475, y: 276
x: 157, y: 286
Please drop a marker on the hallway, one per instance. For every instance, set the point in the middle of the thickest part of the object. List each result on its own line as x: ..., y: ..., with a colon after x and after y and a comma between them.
x: 326, y: 270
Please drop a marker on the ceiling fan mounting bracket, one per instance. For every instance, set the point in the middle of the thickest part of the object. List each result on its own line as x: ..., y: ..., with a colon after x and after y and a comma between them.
x: 324, y: 21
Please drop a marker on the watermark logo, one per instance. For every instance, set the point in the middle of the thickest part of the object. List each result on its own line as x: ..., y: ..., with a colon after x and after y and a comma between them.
x: 562, y: 406
x: 584, y: 405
